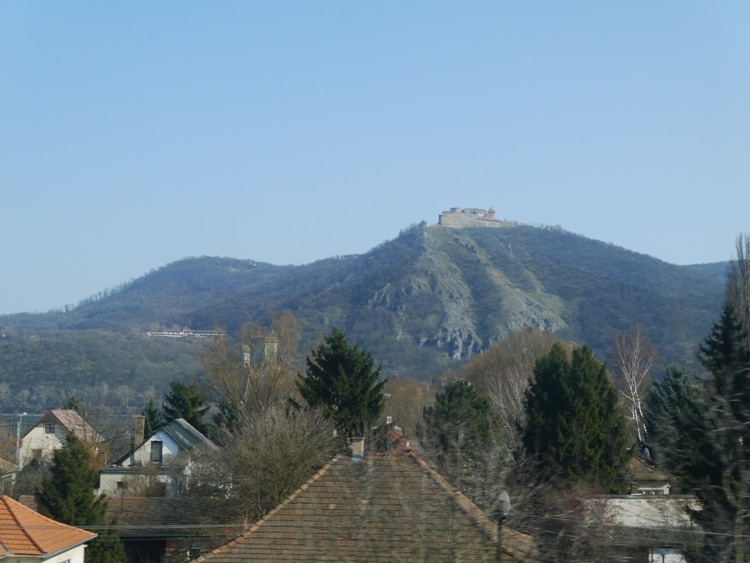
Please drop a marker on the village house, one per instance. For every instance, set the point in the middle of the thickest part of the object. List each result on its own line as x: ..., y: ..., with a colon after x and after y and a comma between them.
x: 51, y: 432
x: 160, y: 465
x: 650, y: 524
x: 27, y: 536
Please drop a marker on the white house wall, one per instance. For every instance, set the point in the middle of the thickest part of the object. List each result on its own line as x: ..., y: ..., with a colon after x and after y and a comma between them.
x: 142, y: 456
x: 108, y: 481
x: 74, y: 555
x: 38, y: 439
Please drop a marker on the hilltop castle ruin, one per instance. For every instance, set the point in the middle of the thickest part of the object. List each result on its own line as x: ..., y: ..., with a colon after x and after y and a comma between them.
x: 459, y: 218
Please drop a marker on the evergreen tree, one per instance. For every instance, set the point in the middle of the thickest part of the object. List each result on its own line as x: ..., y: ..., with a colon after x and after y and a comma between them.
x: 186, y: 402
x: 153, y: 419
x: 725, y: 354
x: 459, y: 430
x: 667, y: 405
x: 711, y: 453
x: 461, y: 423
x: 341, y: 381
x: 74, y: 403
x: 67, y: 496
x: 574, y: 426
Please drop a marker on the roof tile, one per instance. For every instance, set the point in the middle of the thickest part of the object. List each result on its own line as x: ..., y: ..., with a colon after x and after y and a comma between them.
x: 26, y: 532
x: 385, y: 506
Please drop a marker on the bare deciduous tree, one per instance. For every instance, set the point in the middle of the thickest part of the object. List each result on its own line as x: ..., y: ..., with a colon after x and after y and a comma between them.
x: 503, y: 373
x: 269, y: 455
x: 258, y: 370
x: 738, y: 284
x: 405, y: 399
x: 632, y: 357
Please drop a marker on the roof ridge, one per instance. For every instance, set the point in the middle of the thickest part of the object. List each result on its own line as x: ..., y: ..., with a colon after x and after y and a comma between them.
x: 15, y: 508
x: 247, y: 533
x: 469, y: 507
x: 73, y: 422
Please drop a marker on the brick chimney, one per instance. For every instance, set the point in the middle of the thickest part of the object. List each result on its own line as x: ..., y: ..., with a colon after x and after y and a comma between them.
x: 358, y: 449
x: 140, y: 427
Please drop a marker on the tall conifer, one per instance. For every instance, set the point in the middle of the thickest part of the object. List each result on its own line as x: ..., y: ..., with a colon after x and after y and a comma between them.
x: 186, y: 402
x: 342, y: 381
x: 575, y: 428
x: 68, y: 497
x: 711, y: 455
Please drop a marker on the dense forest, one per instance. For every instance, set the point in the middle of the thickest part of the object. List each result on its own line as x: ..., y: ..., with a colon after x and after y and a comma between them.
x: 424, y: 302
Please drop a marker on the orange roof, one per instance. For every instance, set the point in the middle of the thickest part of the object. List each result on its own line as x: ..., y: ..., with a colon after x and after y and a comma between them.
x: 25, y: 532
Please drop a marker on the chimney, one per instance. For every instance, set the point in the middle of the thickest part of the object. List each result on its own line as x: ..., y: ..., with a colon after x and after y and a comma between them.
x: 358, y: 449
x: 140, y: 426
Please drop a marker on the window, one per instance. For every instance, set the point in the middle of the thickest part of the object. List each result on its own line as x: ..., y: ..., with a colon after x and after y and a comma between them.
x: 156, y: 451
x: 49, y: 428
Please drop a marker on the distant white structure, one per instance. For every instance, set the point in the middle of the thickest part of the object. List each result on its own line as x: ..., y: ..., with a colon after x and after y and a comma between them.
x: 184, y: 333
x: 459, y: 217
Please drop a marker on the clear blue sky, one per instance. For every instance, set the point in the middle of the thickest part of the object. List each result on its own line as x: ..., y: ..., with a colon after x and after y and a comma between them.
x: 134, y: 134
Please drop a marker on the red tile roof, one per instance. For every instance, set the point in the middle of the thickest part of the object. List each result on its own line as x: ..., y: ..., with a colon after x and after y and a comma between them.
x: 25, y: 532
x: 75, y: 424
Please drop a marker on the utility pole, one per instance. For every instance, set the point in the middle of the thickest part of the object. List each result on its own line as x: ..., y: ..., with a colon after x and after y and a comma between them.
x: 18, y: 439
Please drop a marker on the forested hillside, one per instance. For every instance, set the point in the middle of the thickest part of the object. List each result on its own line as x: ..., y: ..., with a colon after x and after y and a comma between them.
x: 423, y: 302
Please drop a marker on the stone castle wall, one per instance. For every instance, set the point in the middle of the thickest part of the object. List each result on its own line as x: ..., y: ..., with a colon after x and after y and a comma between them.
x: 458, y: 217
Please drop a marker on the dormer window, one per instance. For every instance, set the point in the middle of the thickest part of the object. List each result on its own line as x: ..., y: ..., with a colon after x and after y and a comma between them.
x: 156, y: 451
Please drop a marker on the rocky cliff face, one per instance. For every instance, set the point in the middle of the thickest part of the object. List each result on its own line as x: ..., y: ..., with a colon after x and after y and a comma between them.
x: 439, y: 303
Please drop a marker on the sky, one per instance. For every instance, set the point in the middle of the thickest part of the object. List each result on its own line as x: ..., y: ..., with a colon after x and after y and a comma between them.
x: 135, y: 134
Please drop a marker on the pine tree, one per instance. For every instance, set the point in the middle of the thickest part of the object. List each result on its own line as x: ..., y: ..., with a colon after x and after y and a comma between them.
x: 461, y: 420
x: 153, y: 419
x: 667, y: 405
x: 711, y: 453
x: 725, y: 354
x: 186, y: 402
x: 341, y: 381
x: 67, y: 496
x: 574, y: 426
x: 459, y: 430
x: 74, y: 403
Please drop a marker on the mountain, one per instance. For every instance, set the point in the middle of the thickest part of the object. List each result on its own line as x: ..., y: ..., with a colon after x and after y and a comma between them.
x: 423, y: 302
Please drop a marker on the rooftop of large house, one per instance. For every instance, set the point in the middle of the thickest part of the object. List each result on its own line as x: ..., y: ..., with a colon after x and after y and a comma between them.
x: 72, y: 422
x: 382, y: 506
x: 185, y: 435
